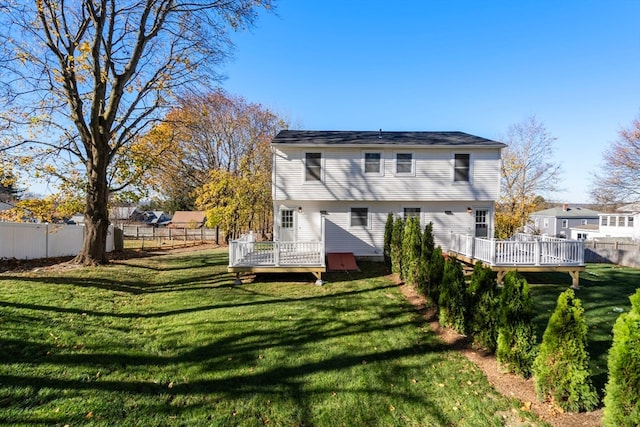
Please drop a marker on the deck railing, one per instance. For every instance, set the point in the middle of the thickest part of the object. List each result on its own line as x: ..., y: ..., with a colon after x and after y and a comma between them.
x: 537, y: 250
x: 245, y: 251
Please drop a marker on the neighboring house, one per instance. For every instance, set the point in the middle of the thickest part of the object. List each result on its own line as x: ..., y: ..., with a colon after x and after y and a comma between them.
x: 5, y: 206
x: 156, y: 218
x: 622, y: 224
x: 340, y: 186
x: 188, y: 219
x: 123, y: 213
x: 558, y: 221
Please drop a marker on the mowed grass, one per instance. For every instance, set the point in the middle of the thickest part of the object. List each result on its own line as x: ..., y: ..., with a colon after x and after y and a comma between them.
x: 604, y: 293
x: 168, y: 340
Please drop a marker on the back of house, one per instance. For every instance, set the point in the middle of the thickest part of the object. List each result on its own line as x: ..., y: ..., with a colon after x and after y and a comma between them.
x: 341, y: 185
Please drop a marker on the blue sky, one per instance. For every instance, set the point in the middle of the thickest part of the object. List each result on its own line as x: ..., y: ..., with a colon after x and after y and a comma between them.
x: 472, y: 66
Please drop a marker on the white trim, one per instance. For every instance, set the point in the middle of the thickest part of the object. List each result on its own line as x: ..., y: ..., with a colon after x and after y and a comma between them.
x: 453, y: 168
x: 395, y: 163
x: 304, y: 166
x: 360, y: 227
x: 364, y: 162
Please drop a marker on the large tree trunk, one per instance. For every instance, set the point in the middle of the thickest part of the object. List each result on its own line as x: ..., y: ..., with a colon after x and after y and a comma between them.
x: 96, y: 214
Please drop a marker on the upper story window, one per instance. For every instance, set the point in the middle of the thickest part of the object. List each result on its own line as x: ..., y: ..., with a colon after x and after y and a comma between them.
x: 359, y: 217
x: 545, y: 223
x: 461, y: 168
x: 584, y: 222
x: 404, y: 163
x: 565, y: 223
x: 313, y: 166
x: 629, y: 221
x: 373, y: 163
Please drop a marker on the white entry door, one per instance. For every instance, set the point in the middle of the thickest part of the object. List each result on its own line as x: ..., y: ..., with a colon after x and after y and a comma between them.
x: 482, y: 223
x: 287, y: 225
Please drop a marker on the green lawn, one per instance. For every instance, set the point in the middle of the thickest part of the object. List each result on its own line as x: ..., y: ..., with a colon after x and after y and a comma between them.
x: 167, y: 340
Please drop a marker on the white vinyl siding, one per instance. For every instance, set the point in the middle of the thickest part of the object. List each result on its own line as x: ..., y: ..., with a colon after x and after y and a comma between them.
x: 343, y: 177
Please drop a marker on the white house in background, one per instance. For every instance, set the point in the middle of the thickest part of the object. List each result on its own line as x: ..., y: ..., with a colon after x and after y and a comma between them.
x: 558, y: 221
x: 340, y: 185
x: 622, y: 224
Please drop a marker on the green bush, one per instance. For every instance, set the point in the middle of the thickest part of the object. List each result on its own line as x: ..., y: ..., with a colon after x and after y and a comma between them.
x: 411, y: 248
x: 453, y: 297
x: 484, y: 307
x: 622, y: 392
x: 426, y: 252
x: 516, y: 335
x: 561, y: 368
x: 388, y: 232
x: 397, y: 233
x: 436, y: 271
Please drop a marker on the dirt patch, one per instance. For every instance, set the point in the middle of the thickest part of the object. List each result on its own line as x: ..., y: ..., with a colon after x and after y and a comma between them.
x: 506, y: 384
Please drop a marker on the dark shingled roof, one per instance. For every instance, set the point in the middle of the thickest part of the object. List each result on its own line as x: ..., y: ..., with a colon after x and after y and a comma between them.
x: 310, y: 137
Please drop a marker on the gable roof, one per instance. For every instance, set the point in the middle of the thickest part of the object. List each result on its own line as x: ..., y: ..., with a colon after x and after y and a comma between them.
x: 559, y: 212
x: 363, y: 138
x: 633, y: 207
x: 188, y: 218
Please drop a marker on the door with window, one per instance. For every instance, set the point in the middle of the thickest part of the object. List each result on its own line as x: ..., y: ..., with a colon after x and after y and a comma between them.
x: 482, y: 223
x: 287, y: 225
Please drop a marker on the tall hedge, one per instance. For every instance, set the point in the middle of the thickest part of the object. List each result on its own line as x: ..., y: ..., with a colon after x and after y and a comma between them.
x: 428, y: 245
x: 388, y: 231
x: 411, y: 249
x: 516, y: 335
x: 561, y: 368
x: 484, y: 307
x: 622, y: 392
x: 436, y: 271
x: 397, y: 233
x: 452, y: 303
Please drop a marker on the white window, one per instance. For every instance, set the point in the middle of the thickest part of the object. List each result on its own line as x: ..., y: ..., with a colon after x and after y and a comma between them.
x: 404, y: 164
x: 582, y: 236
x: 620, y: 221
x: 545, y: 223
x: 565, y: 223
x: 313, y: 166
x: 373, y: 163
x: 359, y: 217
x: 461, y: 168
x: 482, y: 225
x: 604, y: 221
x: 630, y: 221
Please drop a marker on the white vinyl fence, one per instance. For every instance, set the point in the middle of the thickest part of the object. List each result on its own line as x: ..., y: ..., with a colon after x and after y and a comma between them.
x: 32, y: 241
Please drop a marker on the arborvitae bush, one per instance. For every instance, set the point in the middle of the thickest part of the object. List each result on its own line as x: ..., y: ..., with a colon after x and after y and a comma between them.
x: 426, y: 252
x: 622, y: 392
x: 516, y: 335
x: 397, y: 233
x: 561, y: 369
x: 484, y: 307
x: 453, y: 297
x: 411, y: 248
x: 436, y: 271
x: 388, y: 232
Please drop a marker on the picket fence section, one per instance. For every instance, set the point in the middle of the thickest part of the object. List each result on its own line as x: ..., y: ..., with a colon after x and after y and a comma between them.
x: 33, y: 241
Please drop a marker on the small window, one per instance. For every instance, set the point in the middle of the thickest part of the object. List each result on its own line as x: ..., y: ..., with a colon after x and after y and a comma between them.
x: 565, y: 223
x: 545, y: 223
x: 313, y: 167
x: 461, y: 168
x: 404, y: 163
x: 359, y: 217
x: 604, y: 221
x: 412, y: 213
x: 372, y: 163
x: 287, y: 218
x: 584, y: 222
x: 629, y: 221
x: 620, y: 221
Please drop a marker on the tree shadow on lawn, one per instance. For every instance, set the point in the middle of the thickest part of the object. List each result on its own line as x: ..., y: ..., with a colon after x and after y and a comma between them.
x: 224, y: 361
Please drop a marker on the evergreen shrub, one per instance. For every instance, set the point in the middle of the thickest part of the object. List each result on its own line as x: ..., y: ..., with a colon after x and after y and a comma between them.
x: 453, y: 297
x: 436, y: 271
x: 561, y: 368
x: 484, y: 307
x: 411, y: 249
x: 388, y: 231
x: 622, y: 392
x: 397, y: 233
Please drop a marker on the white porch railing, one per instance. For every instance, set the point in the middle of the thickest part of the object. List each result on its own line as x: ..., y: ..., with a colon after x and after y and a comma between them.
x: 522, y: 250
x: 245, y: 251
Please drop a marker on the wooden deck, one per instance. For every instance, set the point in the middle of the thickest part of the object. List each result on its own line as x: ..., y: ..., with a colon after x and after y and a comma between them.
x: 525, y: 253
x: 248, y: 256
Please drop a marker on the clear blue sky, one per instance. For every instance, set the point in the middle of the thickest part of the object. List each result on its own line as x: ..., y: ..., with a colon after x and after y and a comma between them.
x: 472, y: 66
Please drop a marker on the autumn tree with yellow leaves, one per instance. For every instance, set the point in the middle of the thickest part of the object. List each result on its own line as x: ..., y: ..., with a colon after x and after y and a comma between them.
x: 86, y: 78
x: 528, y: 172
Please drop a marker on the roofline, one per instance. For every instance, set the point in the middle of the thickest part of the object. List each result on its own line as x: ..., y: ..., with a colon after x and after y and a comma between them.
x: 387, y: 145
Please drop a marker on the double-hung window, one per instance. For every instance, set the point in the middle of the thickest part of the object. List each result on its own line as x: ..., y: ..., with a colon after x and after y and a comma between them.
x: 565, y: 223
x: 412, y: 213
x: 313, y: 167
x: 404, y: 163
x: 359, y: 217
x: 373, y: 163
x: 461, y: 168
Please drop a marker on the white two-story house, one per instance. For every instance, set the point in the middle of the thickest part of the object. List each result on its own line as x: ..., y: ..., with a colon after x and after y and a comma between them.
x: 339, y: 186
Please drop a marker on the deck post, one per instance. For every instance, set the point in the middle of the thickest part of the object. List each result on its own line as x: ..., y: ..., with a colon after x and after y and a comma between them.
x: 492, y: 256
x: 276, y: 253
x: 537, y: 252
x: 575, y: 279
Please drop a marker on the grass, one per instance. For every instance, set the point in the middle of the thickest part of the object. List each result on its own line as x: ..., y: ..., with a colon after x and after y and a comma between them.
x: 604, y: 293
x: 167, y: 340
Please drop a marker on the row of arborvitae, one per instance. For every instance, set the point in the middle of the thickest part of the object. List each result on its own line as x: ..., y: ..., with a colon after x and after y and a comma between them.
x: 500, y: 321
